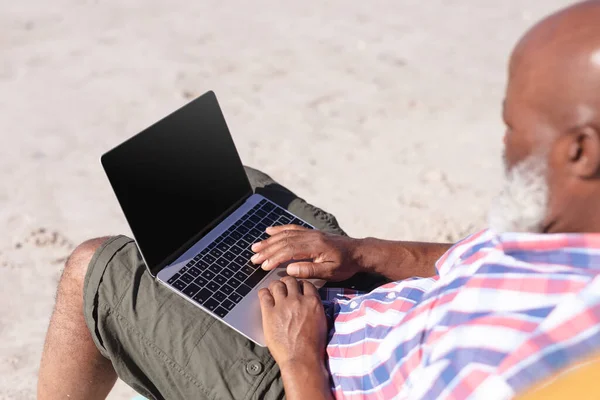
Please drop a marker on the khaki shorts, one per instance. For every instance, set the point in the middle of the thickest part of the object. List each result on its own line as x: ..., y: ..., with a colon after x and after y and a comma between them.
x: 165, y: 347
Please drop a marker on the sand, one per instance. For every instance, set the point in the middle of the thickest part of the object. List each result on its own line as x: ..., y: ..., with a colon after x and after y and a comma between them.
x: 386, y: 113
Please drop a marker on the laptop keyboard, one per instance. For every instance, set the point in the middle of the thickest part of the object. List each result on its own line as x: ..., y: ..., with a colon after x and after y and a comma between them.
x: 221, y: 275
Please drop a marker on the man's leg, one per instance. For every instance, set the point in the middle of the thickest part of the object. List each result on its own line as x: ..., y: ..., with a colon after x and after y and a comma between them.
x: 161, y: 345
x: 72, y: 367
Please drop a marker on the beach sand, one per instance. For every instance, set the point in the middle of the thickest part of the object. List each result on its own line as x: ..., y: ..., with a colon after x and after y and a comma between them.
x: 386, y: 113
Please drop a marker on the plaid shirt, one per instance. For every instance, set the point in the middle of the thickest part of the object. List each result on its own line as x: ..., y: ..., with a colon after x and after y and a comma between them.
x: 505, y: 312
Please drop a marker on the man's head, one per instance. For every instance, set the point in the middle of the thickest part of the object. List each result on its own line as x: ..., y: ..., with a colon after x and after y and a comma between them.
x: 552, y: 114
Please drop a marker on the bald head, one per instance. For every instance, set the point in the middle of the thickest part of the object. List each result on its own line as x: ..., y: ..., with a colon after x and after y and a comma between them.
x: 552, y: 110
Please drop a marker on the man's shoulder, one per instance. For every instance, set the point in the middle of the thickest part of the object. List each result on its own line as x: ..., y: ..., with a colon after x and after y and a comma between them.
x: 467, y: 247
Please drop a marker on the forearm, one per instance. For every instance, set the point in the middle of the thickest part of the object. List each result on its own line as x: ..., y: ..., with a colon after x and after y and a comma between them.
x: 398, y: 260
x: 306, y: 380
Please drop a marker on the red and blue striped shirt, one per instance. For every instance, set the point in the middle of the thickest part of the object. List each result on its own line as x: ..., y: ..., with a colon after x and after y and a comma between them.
x: 504, y: 312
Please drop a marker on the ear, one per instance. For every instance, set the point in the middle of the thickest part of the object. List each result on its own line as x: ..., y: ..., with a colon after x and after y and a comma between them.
x: 584, y: 152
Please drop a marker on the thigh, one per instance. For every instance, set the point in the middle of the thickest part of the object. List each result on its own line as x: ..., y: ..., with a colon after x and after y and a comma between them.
x: 163, y: 346
x: 267, y: 187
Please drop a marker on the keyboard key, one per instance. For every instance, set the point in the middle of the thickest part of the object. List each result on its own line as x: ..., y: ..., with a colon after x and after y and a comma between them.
x: 190, y: 263
x: 191, y: 290
x: 202, y: 296
x: 235, y: 297
x: 216, y: 253
x: 261, y: 213
x: 187, y: 278
x: 197, y: 257
x: 183, y: 270
x: 209, y: 259
x: 200, y: 281
x: 218, y: 240
x: 221, y: 312
x: 243, y: 289
x: 244, y: 217
x: 219, y: 296
x: 212, y: 286
x: 278, y: 211
x: 249, y: 223
x: 229, y: 240
x: 223, y: 246
x: 179, y: 285
x: 263, y: 236
x: 243, y: 230
x: 261, y: 227
x: 220, y: 279
x: 285, y: 219
x: 201, y: 264
x: 228, y: 304
x: 254, y: 219
x: 255, y: 232
x: 215, y: 268
x: 229, y: 255
x: 223, y: 262
x: 211, y: 246
x: 241, y: 260
x: 262, y: 202
x: 233, y: 282
x: 236, y: 235
x: 296, y: 221
x: 195, y: 271
x: 227, y: 273
x: 268, y: 206
x: 247, y: 269
x: 243, y: 244
x: 304, y: 224
x: 240, y: 276
x: 204, y: 252
x: 247, y: 254
x: 249, y: 238
x: 174, y: 278
x: 211, y: 304
x: 256, y: 277
x: 207, y: 274
x: 235, y: 250
x: 227, y: 289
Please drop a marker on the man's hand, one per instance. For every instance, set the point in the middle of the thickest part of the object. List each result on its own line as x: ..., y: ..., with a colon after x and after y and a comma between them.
x: 323, y: 255
x: 295, y: 331
x: 293, y: 322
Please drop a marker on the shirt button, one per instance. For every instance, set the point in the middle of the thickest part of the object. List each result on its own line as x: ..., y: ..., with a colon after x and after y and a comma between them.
x: 254, y: 368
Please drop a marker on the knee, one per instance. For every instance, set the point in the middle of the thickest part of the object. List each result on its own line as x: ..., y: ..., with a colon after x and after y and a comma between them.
x: 73, y: 276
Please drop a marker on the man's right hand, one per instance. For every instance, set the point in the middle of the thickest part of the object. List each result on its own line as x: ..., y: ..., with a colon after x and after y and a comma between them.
x: 313, y: 254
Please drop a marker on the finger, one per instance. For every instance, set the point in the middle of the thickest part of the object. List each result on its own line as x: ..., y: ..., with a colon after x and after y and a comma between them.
x: 292, y: 285
x: 309, y: 289
x: 278, y: 290
x: 304, y: 270
x: 266, y: 299
x: 274, y: 230
x: 258, y: 246
x: 286, y: 249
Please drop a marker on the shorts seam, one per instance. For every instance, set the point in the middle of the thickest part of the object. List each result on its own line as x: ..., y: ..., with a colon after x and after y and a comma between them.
x: 163, y: 355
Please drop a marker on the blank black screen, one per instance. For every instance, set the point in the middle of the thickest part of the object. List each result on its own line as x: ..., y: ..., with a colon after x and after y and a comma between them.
x: 177, y: 177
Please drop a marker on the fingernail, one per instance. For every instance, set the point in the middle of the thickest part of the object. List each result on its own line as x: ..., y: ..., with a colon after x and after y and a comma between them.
x: 269, y: 228
x: 255, y: 246
x: 254, y: 257
x: 293, y: 270
x: 265, y: 263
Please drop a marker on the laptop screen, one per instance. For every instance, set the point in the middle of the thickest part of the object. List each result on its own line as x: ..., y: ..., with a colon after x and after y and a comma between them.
x: 176, y: 178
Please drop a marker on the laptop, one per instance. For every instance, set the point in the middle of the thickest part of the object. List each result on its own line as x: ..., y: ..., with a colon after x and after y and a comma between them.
x: 193, y: 214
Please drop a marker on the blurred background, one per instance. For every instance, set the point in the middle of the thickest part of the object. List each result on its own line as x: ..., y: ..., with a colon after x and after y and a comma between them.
x: 386, y: 113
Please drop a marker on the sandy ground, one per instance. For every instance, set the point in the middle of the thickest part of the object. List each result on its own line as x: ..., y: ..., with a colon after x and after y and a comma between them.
x: 385, y: 112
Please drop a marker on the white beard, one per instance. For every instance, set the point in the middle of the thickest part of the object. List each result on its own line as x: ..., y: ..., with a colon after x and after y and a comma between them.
x: 522, y: 203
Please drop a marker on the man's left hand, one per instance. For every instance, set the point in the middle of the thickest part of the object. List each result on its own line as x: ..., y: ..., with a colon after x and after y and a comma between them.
x: 293, y: 322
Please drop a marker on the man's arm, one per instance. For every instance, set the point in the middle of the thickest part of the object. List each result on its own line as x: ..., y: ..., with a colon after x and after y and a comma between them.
x: 316, y: 254
x: 398, y: 260
x: 306, y: 380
